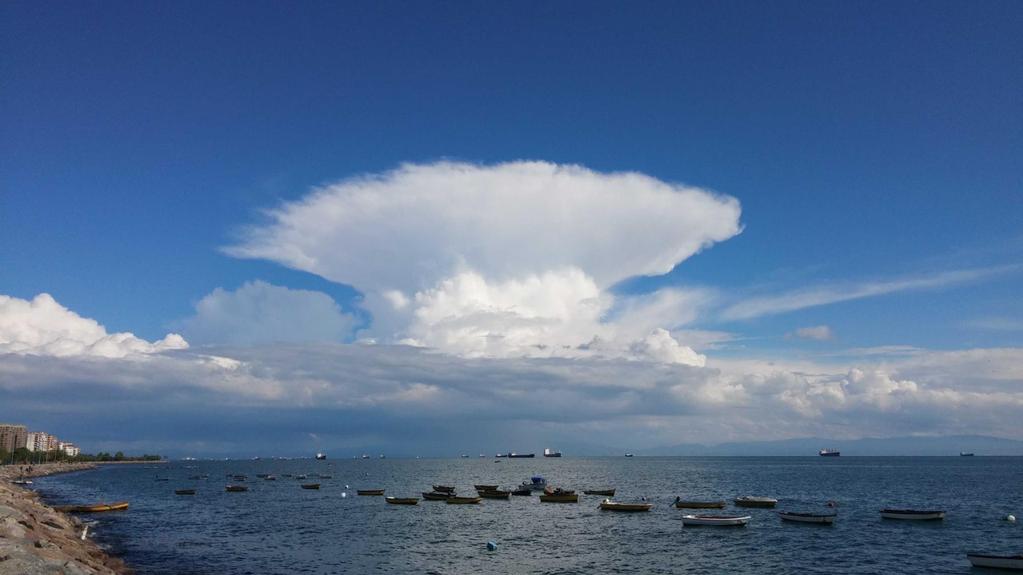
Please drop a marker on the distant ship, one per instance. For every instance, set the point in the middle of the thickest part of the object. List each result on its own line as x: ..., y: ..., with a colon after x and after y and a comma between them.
x: 464, y: 456
x: 965, y: 454
x: 364, y: 456
x: 514, y: 455
x: 829, y: 453
x: 548, y: 453
x: 321, y: 456
x: 628, y: 455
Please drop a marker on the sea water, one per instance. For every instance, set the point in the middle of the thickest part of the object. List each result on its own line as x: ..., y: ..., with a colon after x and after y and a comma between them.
x: 277, y: 527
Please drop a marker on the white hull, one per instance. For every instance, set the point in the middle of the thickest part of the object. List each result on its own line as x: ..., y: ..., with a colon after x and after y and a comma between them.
x: 913, y: 516
x: 995, y: 562
x: 822, y: 519
x: 715, y: 521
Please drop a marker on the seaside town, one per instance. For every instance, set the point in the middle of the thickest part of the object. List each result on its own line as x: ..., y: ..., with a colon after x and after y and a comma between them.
x: 15, y: 437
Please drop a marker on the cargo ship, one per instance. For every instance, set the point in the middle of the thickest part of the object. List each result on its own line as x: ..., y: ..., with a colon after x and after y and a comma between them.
x: 514, y: 455
x: 547, y: 452
x: 829, y: 453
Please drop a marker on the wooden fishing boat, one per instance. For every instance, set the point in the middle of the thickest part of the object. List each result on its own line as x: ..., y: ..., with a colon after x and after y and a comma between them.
x: 312, y: 486
x: 913, y: 514
x: 436, y: 495
x: 402, y: 500
x: 1008, y: 562
x: 369, y: 491
x: 523, y: 492
x: 818, y: 518
x: 97, y: 508
x: 565, y: 497
x: 443, y: 489
x: 236, y: 488
x: 606, y: 492
x: 694, y: 504
x: 716, y: 520
x: 455, y: 500
x: 749, y: 501
x: 184, y: 492
x: 608, y: 505
x: 494, y: 494
x: 484, y: 487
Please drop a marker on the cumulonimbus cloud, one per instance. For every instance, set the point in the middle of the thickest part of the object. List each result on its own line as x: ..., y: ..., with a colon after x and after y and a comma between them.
x: 503, y: 260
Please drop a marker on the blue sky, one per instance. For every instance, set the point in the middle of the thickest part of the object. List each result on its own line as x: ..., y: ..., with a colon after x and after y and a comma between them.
x: 868, y: 144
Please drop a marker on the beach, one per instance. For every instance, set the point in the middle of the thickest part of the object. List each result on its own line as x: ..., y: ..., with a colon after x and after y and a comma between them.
x: 36, y: 539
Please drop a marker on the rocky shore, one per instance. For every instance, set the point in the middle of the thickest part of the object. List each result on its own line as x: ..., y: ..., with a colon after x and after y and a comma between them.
x: 35, y: 539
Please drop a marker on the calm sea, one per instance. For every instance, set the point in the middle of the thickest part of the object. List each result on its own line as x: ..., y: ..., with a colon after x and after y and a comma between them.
x: 276, y: 527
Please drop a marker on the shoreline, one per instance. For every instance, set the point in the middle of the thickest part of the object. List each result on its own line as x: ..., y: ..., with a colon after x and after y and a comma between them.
x: 36, y: 539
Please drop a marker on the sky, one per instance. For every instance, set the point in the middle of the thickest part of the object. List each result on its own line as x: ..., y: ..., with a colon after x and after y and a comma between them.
x: 429, y: 228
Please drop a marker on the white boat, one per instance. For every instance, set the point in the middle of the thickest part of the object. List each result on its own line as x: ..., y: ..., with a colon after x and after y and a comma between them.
x: 912, y: 514
x: 716, y: 520
x: 823, y: 518
x: 321, y: 456
x: 751, y: 501
x: 22, y: 482
x: 535, y: 483
x: 1010, y: 562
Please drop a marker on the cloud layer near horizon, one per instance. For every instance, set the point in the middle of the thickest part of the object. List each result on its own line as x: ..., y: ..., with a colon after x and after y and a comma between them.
x: 508, y: 260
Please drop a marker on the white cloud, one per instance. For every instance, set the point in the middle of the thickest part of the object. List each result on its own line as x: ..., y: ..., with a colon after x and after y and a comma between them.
x: 258, y: 312
x: 816, y: 333
x: 834, y: 293
x: 508, y: 260
x: 44, y: 327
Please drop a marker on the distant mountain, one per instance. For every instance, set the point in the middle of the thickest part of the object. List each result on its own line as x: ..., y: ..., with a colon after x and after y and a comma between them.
x: 944, y: 445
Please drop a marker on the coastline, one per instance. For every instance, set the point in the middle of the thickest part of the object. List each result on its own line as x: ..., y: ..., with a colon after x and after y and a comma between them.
x: 36, y: 539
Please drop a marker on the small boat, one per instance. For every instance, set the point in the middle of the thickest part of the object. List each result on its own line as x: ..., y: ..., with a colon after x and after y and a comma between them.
x: 436, y: 496
x: 1009, y: 562
x: 536, y: 483
x: 606, y: 492
x: 559, y: 496
x: 465, y: 456
x: 312, y: 486
x: 302, y: 476
x: 322, y: 476
x: 236, y: 488
x: 484, y: 487
x: 443, y: 489
x: 913, y: 514
x: 402, y: 500
x: 820, y: 518
x: 716, y: 520
x: 98, y: 508
x: 692, y: 504
x: 608, y: 505
x: 262, y: 475
x: 270, y: 478
x: 494, y: 494
x: 523, y: 491
x: 184, y: 492
x: 749, y: 501
x: 22, y: 482
x: 463, y: 500
x: 321, y: 456
x: 369, y: 491
x: 239, y: 477
x: 628, y: 455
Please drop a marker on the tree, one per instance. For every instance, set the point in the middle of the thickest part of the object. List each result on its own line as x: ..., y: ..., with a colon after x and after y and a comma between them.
x: 119, y: 456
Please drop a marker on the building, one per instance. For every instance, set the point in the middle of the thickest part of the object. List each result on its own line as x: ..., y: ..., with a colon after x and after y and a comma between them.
x: 38, y: 441
x: 12, y: 436
x: 69, y: 448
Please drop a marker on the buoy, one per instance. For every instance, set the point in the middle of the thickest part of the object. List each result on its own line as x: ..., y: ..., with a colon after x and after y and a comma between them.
x: 343, y: 495
x: 491, y: 546
x: 346, y: 486
x: 1010, y: 518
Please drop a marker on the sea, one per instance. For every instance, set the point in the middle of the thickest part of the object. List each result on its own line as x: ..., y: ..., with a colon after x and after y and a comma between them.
x: 277, y: 527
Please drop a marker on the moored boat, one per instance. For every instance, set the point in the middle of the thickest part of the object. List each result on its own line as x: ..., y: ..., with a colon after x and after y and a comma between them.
x: 523, y: 492
x: 22, y: 482
x: 311, y: 486
x: 443, y: 488
x: 236, y: 488
x: 606, y: 492
x: 819, y: 518
x: 402, y: 500
x: 436, y: 496
x: 696, y: 504
x: 482, y: 487
x: 97, y: 508
x: 608, y: 505
x: 536, y: 483
x: 716, y: 520
x: 369, y: 491
x: 494, y: 494
x: 184, y: 492
x: 1009, y: 562
x: 455, y: 500
x: 559, y: 496
x: 913, y: 514
x: 321, y: 456
x: 750, y: 501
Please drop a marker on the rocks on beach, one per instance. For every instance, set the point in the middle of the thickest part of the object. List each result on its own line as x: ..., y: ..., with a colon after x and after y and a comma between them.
x: 35, y: 539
